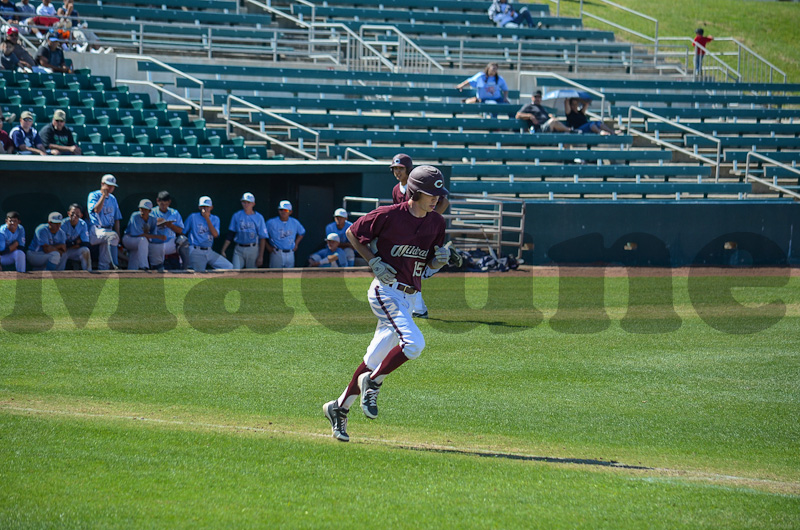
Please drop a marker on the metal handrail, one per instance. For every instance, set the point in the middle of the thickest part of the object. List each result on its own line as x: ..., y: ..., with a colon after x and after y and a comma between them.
x: 756, y: 55
x: 715, y: 56
x: 229, y: 123
x: 359, y: 153
x: 165, y: 66
x: 657, y: 140
x: 406, y: 42
x: 766, y: 183
x: 571, y: 83
x: 623, y: 28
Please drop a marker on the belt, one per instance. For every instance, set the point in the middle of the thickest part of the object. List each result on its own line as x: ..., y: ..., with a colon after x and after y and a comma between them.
x: 106, y: 227
x: 201, y: 248
x: 250, y: 245
x: 404, y: 288
x: 281, y: 250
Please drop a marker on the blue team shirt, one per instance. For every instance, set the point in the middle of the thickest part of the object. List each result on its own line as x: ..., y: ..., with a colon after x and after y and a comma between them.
x: 249, y: 228
x: 170, y: 215
x: 325, y: 252
x: 9, y: 237
x: 488, y: 87
x: 197, y: 230
x: 331, y: 229
x: 108, y: 215
x: 282, y: 235
x: 138, y: 226
x: 43, y: 236
x: 74, y: 233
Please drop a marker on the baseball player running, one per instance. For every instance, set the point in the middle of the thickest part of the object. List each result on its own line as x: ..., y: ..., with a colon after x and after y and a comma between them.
x: 401, y: 167
x: 410, y: 237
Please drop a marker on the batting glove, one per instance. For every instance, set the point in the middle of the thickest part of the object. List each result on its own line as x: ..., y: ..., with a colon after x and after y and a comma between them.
x: 441, y: 255
x: 456, y: 260
x: 385, y: 273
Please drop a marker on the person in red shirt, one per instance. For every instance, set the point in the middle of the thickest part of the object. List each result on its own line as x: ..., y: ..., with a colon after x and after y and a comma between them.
x: 699, y: 52
x: 410, y: 238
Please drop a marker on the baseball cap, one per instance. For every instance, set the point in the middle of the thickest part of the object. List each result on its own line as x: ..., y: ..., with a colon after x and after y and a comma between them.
x: 26, y: 114
x: 205, y: 200
x: 55, y: 217
x: 54, y: 38
x: 249, y: 197
x: 333, y: 236
x: 340, y: 212
x: 285, y: 205
x: 402, y: 160
x: 109, y: 179
x: 60, y: 115
x: 146, y: 203
x: 12, y: 31
x: 537, y: 93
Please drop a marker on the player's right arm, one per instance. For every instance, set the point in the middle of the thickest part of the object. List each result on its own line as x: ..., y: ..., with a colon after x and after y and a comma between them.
x: 358, y: 246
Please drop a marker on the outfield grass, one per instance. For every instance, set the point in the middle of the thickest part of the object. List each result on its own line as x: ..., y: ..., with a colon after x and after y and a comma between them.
x: 768, y: 28
x: 167, y: 410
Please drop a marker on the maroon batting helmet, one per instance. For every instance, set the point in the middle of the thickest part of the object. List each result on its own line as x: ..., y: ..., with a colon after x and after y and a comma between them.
x: 428, y: 180
x: 402, y: 160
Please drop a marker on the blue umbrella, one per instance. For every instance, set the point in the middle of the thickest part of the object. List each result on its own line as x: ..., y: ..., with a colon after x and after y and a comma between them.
x: 555, y: 98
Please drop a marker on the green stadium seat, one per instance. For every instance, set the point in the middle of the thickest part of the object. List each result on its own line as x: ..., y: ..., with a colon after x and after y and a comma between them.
x: 145, y: 135
x: 255, y: 152
x: 121, y: 134
x: 209, y: 151
x: 162, y: 151
x: 186, y: 151
x: 115, y: 149
x: 129, y: 116
x: 155, y: 117
x: 92, y: 149
x: 79, y: 115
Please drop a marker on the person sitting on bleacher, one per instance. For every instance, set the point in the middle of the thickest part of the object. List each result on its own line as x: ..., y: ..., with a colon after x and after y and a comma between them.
x: 82, y: 37
x: 26, y: 12
x: 489, y: 86
x: 26, y: 140
x: 51, y: 56
x: 25, y: 58
x: 57, y: 137
x: 505, y: 16
x: 575, y: 109
x: 538, y: 117
x: 6, y: 145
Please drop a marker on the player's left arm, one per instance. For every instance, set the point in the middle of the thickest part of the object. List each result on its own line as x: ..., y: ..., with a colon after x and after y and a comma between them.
x: 444, y: 204
x: 297, y: 241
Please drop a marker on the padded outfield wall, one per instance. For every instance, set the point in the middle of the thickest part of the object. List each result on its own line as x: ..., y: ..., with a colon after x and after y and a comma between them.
x: 645, y: 233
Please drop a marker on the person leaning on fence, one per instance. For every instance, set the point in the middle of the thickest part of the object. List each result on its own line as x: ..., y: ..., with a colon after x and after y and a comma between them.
x: 57, y: 137
x: 489, y: 86
x: 77, y: 234
x: 538, y: 118
x: 12, y: 243
x: 506, y: 16
x: 699, y: 52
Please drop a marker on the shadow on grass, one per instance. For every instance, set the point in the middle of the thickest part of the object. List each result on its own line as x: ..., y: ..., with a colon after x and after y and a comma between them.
x: 473, y: 323
x: 528, y: 458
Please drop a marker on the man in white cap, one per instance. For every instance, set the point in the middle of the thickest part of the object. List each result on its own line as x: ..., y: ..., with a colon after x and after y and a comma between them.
x: 249, y: 231
x: 330, y: 256
x: 104, y: 217
x: 285, y: 233
x: 201, y: 229
x: 170, y: 225
x: 25, y: 138
x: 49, y: 246
x: 339, y: 227
x: 141, y: 229
x: 76, y: 232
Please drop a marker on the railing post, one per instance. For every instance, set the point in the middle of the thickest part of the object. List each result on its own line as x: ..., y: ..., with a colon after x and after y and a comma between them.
x: 655, y: 50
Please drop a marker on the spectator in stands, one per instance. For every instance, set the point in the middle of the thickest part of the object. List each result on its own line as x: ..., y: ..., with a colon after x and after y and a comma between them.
x: 104, y: 217
x: 46, y: 9
x: 141, y: 229
x: 201, y: 229
x: 698, y: 52
x: 330, y: 256
x: 51, y: 56
x: 339, y: 226
x: 506, y: 16
x: 170, y: 225
x: 285, y: 233
x: 249, y: 231
x: 26, y: 12
x: 48, y: 248
x: 25, y: 138
x: 489, y: 86
x: 9, y: 61
x: 57, y: 137
x: 77, y: 233
x: 538, y: 117
x: 12, y: 242
x: 6, y: 145
x: 9, y: 11
x: 575, y: 109
x: 25, y: 58
x: 81, y: 35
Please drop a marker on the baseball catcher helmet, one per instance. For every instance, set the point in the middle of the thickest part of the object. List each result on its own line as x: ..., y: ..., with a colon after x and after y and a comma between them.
x: 428, y: 180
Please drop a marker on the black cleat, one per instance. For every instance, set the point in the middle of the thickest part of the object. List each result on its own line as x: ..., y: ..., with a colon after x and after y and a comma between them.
x: 369, y: 395
x: 420, y: 315
x: 338, y: 418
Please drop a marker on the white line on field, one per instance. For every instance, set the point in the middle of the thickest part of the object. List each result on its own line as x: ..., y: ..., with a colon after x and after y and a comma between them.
x: 413, y: 446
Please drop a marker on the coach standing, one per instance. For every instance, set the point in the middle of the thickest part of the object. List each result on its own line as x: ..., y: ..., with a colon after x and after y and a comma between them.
x: 285, y: 233
x: 104, y: 216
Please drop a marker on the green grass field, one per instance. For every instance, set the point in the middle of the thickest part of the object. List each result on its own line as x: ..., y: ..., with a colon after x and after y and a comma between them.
x: 768, y: 28
x: 539, y: 402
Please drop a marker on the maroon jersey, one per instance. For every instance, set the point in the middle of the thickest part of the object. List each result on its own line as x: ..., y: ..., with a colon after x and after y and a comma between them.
x: 405, y: 242
x: 397, y: 194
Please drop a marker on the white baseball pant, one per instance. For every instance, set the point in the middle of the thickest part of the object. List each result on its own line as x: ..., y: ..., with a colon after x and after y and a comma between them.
x: 395, y: 324
x: 82, y: 254
x: 201, y: 258
x: 137, y: 252
x: 245, y: 257
x: 281, y: 260
x: 17, y: 258
x: 158, y: 251
x: 51, y: 261
x: 108, y: 240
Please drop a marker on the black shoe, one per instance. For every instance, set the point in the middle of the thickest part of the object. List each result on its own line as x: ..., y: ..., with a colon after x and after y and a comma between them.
x: 338, y: 418
x: 420, y: 315
x: 369, y: 395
